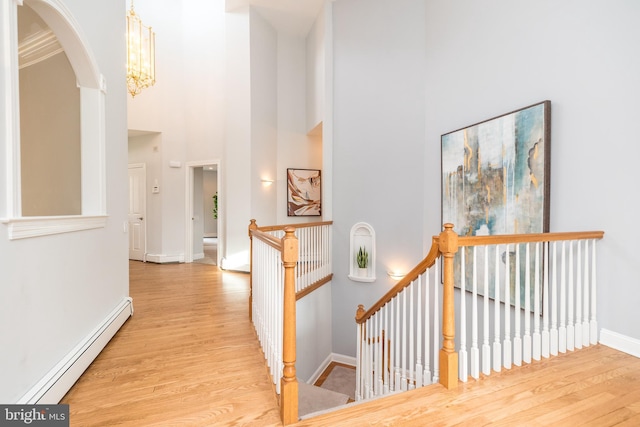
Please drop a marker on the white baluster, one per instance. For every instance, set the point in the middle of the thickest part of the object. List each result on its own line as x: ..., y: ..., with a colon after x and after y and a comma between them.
x: 419, y: 367
x: 392, y: 340
x: 517, y: 340
x: 462, y: 354
x: 579, y: 290
x: 358, y: 392
x: 585, y: 312
x: 537, y: 339
x: 411, y: 338
x: 497, y: 347
x: 486, y: 349
x: 367, y: 360
x: 553, y: 334
x: 378, y: 355
x: 506, y: 352
x: 593, y: 330
x: 404, y: 341
x: 385, y: 349
x: 436, y: 324
x: 526, y: 351
x: 562, y: 330
x: 571, y: 332
x: 398, y: 379
x: 427, y: 342
x: 545, y: 303
x: 475, y: 351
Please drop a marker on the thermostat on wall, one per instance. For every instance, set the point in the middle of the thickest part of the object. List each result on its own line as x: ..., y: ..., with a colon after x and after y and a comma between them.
x: 174, y: 164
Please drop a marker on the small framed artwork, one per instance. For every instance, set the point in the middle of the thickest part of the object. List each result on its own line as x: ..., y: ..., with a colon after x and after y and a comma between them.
x: 303, y: 192
x: 495, y: 175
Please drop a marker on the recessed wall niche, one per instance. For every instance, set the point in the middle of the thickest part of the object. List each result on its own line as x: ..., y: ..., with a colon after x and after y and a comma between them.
x: 362, y: 245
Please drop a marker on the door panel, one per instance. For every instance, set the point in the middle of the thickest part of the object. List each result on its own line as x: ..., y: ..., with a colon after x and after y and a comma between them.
x: 137, y: 212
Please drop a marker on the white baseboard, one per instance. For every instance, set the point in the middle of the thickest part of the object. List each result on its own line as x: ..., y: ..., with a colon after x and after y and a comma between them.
x: 57, y: 382
x: 162, y: 259
x: 620, y: 342
x: 333, y: 357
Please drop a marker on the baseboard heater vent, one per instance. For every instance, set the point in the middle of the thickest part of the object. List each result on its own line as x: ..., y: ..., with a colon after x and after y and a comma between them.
x: 53, y: 386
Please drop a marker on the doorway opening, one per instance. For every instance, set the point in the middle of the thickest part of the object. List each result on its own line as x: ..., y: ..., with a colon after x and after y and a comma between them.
x: 203, y: 229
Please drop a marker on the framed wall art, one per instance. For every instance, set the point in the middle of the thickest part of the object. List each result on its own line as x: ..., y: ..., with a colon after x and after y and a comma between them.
x: 304, y: 192
x: 495, y: 176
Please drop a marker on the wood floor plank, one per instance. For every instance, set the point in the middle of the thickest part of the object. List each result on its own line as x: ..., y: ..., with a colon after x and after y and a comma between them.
x: 189, y: 357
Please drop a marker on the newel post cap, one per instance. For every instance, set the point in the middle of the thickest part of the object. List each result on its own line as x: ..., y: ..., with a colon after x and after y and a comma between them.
x: 448, y: 239
x: 289, y: 246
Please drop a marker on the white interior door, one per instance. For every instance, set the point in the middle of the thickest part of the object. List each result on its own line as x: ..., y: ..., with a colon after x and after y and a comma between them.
x: 137, y: 212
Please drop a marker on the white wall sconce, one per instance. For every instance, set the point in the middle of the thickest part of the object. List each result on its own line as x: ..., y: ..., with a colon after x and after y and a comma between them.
x: 395, y: 275
x: 266, y: 182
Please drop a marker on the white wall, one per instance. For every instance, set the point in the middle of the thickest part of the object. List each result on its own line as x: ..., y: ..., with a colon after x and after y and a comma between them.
x: 264, y: 118
x: 296, y: 149
x: 57, y: 289
x: 315, y: 62
x: 378, y: 146
x: 485, y: 59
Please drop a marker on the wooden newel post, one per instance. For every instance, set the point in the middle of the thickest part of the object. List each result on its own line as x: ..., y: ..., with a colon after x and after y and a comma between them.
x: 448, y: 244
x: 289, y: 383
x: 252, y: 226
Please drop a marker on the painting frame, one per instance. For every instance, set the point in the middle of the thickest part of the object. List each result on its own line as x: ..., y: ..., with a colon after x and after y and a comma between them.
x: 304, y: 192
x: 495, y: 176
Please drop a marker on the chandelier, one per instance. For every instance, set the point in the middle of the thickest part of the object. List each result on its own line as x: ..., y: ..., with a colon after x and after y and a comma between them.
x: 141, y: 46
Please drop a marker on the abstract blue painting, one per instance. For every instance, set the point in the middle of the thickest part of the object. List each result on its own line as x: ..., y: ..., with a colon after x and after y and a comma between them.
x: 495, y: 175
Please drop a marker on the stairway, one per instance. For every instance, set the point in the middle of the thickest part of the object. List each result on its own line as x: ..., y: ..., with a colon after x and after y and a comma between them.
x: 313, y: 400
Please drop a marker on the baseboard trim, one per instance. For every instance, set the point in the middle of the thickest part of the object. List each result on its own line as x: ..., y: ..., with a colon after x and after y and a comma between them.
x: 333, y: 357
x: 620, y: 342
x: 57, y: 382
x: 163, y: 259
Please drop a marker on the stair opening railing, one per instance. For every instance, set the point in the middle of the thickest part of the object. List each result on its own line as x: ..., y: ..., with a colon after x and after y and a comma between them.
x: 286, y: 264
x: 548, y: 280
x: 313, y: 268
x: 408, y: 318
x: 531, y: 296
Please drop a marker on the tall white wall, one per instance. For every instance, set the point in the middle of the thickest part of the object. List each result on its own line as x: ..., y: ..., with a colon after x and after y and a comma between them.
x: 56, y: 289
x: 378, y: 146
x: 296, y: 149
x: 235, y: 203
x: 485, y: 59
x: 264, y: 118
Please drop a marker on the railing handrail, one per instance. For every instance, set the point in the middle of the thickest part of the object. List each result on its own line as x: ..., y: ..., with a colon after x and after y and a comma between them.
x: 267, y: 238
x: 528, y: 238
x: 267, y: 228
x: 362, y: 315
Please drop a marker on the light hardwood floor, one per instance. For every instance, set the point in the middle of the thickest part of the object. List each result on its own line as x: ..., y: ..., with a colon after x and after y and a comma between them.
x: 189, y: 357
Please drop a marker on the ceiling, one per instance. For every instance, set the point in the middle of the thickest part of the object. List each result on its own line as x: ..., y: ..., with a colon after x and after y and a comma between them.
x: 293, y: 17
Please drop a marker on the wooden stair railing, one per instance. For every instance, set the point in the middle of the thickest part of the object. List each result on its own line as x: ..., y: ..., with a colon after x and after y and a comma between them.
x: 447, y: 245
x: 305, y: 257
x: 288, y: 248
x: 560, y: 304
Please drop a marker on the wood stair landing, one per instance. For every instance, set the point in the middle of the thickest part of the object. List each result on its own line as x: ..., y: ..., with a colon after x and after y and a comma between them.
x: 594, y: 386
